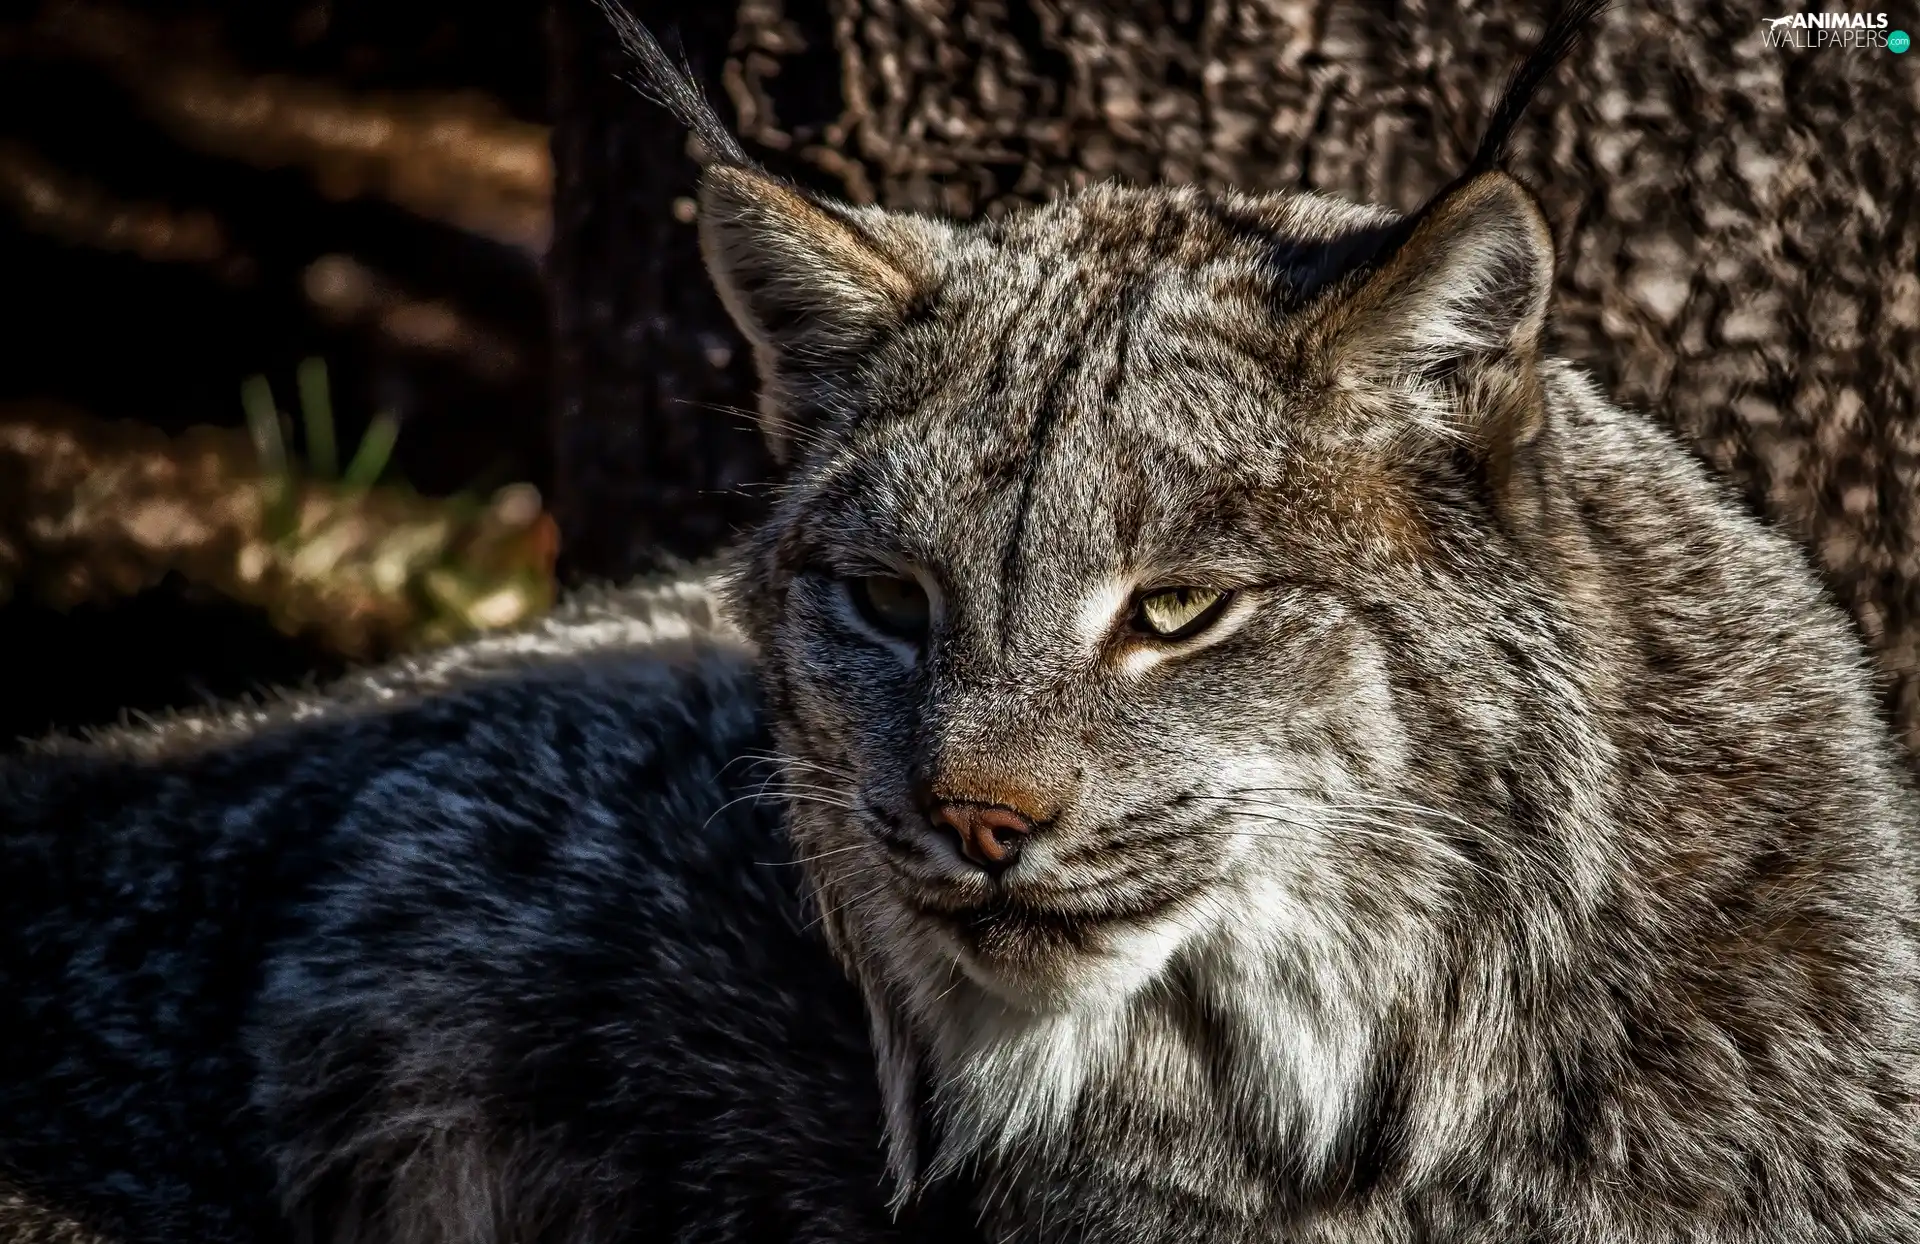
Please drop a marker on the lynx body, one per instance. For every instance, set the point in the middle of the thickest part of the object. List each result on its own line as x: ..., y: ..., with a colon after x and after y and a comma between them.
x: 1278, y: 757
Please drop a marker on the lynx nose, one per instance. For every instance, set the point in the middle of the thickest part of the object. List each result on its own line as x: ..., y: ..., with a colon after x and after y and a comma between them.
x: 990, y: 835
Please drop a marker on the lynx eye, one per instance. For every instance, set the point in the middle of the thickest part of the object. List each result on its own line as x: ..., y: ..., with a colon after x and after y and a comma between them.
x: 893, y: 606
x: 1177, y: 612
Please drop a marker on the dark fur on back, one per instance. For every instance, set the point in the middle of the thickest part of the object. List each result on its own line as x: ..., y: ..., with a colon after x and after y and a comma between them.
x: 500, y: 944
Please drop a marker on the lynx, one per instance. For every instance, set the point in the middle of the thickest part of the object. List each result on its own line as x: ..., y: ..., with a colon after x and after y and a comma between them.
x: 1275, y: 756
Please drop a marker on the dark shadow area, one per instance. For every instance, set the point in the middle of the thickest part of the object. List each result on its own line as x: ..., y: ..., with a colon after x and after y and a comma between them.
x: 196, y: 194
x: 169, y: 647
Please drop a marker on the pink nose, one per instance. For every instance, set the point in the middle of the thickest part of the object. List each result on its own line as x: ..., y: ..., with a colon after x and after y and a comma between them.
x: 990, y: 835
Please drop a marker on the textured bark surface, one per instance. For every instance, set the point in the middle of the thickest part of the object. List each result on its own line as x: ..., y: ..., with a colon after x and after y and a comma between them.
x: 1740, y: 224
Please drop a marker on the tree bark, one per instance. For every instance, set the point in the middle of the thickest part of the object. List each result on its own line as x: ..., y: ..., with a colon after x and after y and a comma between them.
x: 1739, y: 223
x: 654, y: 455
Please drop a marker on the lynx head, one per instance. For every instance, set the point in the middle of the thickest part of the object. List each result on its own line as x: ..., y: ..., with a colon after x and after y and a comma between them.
x: 1105, y: 528
x: 1114, y: 612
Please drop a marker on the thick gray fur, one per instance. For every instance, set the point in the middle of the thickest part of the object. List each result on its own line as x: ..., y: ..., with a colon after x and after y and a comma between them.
x: 499, y: 943
x: 1513, y: 855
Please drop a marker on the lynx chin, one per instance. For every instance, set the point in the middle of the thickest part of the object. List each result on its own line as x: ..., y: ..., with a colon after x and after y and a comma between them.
x: 1275, y: 755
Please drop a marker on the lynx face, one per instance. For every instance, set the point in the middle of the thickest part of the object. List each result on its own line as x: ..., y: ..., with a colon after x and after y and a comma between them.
x: 1282, y: 760
x: 1117, y: 539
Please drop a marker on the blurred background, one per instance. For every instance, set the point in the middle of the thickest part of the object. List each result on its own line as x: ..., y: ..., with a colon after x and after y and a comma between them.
x: 275, y: 393
x: 340, y: 327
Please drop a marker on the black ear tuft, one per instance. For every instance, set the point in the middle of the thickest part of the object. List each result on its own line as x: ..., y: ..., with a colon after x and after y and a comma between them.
x: 672, y: 87
x: 811, y: 282
x: 1563, y: 33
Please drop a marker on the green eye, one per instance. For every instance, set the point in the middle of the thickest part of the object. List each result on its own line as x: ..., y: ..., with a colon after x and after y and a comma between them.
x: 1178, y: 612
x: 892, y: 606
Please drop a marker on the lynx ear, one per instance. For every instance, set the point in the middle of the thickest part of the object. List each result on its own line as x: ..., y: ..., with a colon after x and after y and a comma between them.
x: 812, y: 284
x: 1446, y: 326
